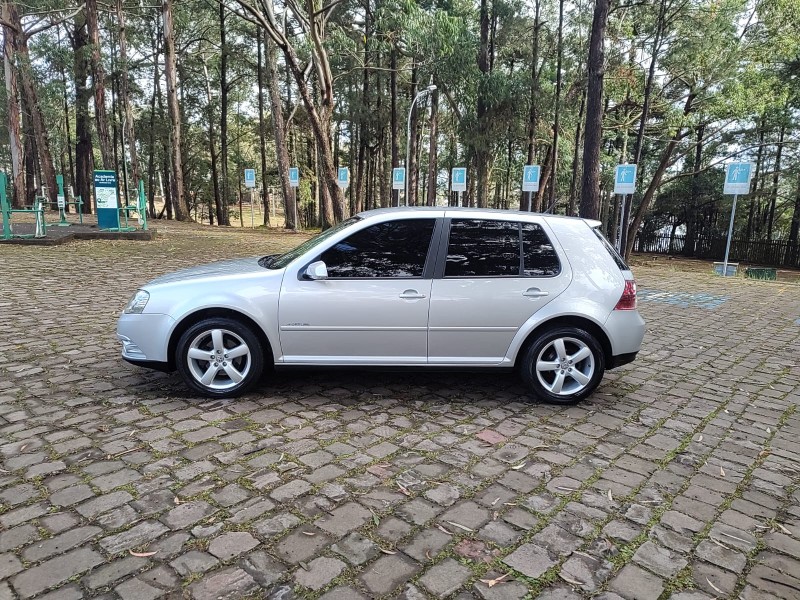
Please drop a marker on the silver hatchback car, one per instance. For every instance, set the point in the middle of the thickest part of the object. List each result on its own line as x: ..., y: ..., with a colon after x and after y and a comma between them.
x: 403, y: 287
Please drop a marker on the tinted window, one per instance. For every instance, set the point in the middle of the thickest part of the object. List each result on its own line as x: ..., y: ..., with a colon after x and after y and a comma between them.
x: 393, y: 249
x: 540, y: 258
x: 483, y: 249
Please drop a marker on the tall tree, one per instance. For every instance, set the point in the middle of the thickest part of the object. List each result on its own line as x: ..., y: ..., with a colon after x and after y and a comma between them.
x: 177, y: 195
x: 590, y: 181
x: 99, y: 83
x: 12, y: 99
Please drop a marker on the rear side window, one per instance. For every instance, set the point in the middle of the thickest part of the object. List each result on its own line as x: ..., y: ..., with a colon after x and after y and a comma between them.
x: 611, y: 250
x: 480, y: 248
x: 484, y: 248
x: 391, y: 249
x: 539, y: 256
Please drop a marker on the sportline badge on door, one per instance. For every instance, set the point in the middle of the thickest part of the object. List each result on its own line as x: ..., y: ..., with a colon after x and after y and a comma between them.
x: 413, y: 287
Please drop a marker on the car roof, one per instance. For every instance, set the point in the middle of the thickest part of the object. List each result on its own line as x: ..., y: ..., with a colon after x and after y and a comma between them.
x: 469, y: 211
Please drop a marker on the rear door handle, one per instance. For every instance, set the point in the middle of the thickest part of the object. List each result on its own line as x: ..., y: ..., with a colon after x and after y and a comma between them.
x: 411, y: 295
x: 535, y: 293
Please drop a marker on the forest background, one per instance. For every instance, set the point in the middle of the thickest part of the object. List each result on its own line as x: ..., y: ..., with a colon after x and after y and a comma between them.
x: 186, y: 94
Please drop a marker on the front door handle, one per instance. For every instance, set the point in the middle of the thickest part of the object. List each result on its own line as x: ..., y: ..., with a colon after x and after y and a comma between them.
x: 535, y: 293
x: 411, y: 295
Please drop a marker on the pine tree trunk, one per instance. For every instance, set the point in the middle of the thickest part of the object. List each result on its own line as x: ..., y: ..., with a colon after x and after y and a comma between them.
x: 83, y: 127
x: 395, y: 146
x: 775, y: 181
x: 262, y: 127
x: 13, y: 110
x: 590, y: 179
x: 279, y: 133
x: 130, y: 130
x: 176, y: 180
x: 224, y: 216
x: 212, y: 150
x: 99, y: 82
x: 551, y: 203
x: 432, y: 150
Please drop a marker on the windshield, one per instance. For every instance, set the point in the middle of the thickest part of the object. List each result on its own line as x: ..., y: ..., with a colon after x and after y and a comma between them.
x: 279, y: 262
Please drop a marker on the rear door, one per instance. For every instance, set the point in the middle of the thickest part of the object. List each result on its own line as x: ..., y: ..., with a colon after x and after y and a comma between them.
x: 492, y: 277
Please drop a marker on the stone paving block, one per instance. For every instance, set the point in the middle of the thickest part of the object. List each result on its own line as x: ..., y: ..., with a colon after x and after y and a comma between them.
x: 319, y: 572
x: 660, y: 561
x: 445, y: 578
x: 137, y: 535
x: 530, y: 560
x: 343, y: 593
x: 55, y: 571
x: 425, y: 545
x: 60, y: 543
x: 229, y: 584
x: 356, y: 549
x: 344, y: 519
x: 303, y: 543
x: 232, y: 544
x: 188, y: 513
x: 721, y: 556
x: 508, y: 589
x: 113, y: 572
x: 633, y: 583
x: 388, y: 574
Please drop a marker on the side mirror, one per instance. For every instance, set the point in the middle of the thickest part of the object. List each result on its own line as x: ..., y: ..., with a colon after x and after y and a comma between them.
x: 316, y: 271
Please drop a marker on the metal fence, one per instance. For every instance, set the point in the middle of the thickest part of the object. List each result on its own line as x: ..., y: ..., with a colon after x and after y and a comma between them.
x: 775, y: 253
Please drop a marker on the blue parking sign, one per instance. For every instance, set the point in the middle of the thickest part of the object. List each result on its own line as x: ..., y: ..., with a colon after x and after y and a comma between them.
x: 294, y: 176
x: 250, y: 178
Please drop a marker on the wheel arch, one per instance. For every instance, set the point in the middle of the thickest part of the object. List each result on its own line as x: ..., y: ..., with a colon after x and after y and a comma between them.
x: 206, y: 313
x: 568, y: 321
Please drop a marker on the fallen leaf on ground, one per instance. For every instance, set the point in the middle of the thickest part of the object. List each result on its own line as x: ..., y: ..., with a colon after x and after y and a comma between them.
x: 142, y: 554
x: 309, y: 533
x: 519, y: 466
x: 385, y: 551
x: 495, y: 581
x: 722, y: 471
x: 464, y: 527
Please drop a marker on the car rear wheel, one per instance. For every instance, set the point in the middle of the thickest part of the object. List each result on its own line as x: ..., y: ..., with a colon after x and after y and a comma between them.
x: 563, y: 365
x: 220, y: 358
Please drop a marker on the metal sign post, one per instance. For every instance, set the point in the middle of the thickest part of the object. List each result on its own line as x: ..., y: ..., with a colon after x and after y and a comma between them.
x: 737, y: 181
x: 458, y: 181
x: 624, y: 184
x: 399, y: 181
x: 530, y: 181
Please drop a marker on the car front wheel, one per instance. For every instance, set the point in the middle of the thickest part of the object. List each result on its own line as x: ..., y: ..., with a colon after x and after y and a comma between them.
x: 563, y: 365
x: 220, y: 358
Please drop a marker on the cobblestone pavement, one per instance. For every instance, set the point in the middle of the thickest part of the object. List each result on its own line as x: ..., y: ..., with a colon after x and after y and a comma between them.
x: 678, y: 479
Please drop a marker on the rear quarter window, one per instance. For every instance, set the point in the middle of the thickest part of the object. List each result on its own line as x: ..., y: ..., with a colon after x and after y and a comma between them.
x: 611, y: 250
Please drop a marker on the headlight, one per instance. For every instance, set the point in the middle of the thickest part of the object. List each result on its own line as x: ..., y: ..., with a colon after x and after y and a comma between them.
x: 137, y: 303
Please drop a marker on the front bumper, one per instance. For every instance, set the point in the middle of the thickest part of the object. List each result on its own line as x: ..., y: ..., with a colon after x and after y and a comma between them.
x: 145, y: 337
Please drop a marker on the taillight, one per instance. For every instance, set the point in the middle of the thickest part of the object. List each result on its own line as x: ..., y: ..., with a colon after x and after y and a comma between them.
x: 628, y: 299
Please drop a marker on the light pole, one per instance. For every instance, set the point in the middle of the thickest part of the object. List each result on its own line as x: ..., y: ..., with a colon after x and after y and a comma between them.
x: 421, y: 94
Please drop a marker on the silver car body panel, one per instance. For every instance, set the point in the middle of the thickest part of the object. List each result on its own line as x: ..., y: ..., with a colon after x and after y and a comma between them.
x: 395, y: 322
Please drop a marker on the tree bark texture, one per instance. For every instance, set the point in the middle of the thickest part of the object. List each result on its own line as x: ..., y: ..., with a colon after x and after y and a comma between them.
x: 593, y: 138
x: 176, y: 180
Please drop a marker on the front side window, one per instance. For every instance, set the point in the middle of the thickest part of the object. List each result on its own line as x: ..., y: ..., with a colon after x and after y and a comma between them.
x: 391, y: 249
x: 480, y: 248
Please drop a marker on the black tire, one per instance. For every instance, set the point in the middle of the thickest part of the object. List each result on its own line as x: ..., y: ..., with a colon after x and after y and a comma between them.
x: 223, y: 370
x: 579, y: 378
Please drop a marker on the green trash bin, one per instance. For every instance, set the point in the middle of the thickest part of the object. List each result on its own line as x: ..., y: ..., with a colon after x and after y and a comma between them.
x: 761, y: 273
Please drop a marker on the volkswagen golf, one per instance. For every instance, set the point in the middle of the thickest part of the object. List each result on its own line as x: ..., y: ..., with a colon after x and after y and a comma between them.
x: 401, y: 287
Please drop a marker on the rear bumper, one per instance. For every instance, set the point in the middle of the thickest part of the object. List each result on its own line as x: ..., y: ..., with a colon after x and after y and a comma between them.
x: 625, y: 330
x: 621, y: 359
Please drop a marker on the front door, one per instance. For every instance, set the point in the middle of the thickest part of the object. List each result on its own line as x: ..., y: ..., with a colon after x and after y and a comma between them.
x: 497, y: 274
x: 372, y: 308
